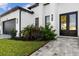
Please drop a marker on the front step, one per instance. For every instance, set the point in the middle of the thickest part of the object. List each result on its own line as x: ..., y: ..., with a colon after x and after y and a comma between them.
x: 68, y: 37
x: 4, y: 36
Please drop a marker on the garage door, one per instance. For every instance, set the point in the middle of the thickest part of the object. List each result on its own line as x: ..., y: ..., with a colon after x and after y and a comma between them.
x: 8, y: 26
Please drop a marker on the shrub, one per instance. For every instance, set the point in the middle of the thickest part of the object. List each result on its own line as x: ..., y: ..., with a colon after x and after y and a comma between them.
x: 30, y: 32
x: 47, y: 32
x: 38, y: 33
x: 13, y: 33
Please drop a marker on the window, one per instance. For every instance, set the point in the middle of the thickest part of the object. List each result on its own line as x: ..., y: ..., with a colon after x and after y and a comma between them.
x: 47, y: 19
x: 51, y: 17
x: 36, y: 22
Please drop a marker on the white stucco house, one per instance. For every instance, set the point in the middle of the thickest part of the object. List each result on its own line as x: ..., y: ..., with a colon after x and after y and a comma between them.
x: 62, y: 16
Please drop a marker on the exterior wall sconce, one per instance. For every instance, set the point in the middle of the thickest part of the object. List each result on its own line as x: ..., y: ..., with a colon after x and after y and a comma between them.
x: 51, y: 17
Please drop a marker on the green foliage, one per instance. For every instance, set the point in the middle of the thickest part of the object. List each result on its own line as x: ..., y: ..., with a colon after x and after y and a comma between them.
x: 38, y: 33
x: 47, y: 32
x: 13, y: 33
x: 30, y: 32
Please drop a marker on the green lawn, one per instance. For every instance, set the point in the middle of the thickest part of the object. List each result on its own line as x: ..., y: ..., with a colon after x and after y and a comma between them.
x: 18, y: 48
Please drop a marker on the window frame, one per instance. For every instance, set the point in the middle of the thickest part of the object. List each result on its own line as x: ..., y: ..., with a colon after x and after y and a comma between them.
x: 37, y: 22
x: 46, y: 19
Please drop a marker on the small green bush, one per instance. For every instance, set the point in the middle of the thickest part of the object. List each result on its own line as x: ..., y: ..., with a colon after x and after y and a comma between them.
x: 13, y: 33
x: 47, y: 32
x: 30, y: 32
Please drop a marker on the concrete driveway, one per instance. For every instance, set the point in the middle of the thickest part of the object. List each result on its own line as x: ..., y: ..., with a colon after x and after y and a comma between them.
x: 2, y: 36
x: 63, y: 46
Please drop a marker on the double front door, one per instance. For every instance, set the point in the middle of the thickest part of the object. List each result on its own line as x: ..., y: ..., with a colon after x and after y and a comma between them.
x: 68, y: 24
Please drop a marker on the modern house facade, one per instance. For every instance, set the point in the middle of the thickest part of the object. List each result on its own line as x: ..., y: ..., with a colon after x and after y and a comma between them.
x: 62, y: 16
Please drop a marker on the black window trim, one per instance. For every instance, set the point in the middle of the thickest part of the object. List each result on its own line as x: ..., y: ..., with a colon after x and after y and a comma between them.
x: 45, y: 18
x: 37, y: 18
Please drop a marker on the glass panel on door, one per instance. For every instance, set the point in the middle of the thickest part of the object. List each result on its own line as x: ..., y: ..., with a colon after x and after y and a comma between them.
x: 63, y: 22
x: 72, y: 20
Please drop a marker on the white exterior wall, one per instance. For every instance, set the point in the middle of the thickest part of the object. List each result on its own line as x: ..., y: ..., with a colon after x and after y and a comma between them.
x: 38, y: 12
x: 9, y: 16
x: 26, y: 19
x: 60, y: 8
x: 49, y: 10
x: 41, y: 11
x: 55, y: 9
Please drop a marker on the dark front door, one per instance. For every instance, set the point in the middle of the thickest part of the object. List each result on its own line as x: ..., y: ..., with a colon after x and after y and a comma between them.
x: 68, y: 24
x: 8, y: 26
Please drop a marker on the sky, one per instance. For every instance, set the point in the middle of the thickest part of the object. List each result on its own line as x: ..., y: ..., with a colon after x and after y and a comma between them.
x: 7, y: 6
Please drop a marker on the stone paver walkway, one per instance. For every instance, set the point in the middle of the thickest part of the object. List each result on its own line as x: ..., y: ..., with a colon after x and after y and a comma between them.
x: 60, y: 47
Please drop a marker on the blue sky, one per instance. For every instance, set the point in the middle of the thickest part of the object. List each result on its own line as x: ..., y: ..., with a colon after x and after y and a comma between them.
x: 7, y: 6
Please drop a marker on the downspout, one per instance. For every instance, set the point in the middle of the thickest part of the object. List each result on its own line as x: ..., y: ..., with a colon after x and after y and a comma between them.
x: 20, y: 23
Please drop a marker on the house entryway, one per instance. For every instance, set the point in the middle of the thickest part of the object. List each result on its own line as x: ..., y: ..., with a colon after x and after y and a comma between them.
x: 8, y: 26
x: 68, y: 24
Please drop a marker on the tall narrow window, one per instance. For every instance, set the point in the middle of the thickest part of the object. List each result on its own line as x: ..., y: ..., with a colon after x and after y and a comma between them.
x: 47, y: 19
x: 36, y: 22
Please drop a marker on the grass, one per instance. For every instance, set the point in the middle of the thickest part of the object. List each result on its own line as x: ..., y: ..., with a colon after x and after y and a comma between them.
x: 18, y: 48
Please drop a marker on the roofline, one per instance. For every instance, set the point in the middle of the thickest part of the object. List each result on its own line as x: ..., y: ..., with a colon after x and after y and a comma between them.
x: 16, y: 8
x: 33, y: 6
